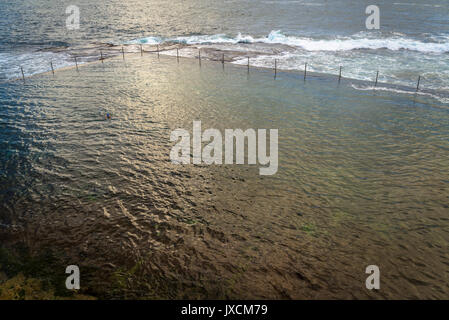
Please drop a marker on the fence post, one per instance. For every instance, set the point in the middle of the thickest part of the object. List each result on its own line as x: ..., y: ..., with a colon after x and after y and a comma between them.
x: 23, y: 76
x: 158, y: 51
x: 248, y: 64
x: 123, y: 53
x: 141, y: 51
x: 101, y: 56
x: 305, y: 71
x: 339, y: 75
x: 76, y: 64
x: 377, y: 77
x: 275, y: 67
x: 419, y: 80
x: 199, y: 56
x: 52, y: 70
x: 177, y: 54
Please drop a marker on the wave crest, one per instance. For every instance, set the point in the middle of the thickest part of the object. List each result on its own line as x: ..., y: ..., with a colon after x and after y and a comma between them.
x: 355, y: 42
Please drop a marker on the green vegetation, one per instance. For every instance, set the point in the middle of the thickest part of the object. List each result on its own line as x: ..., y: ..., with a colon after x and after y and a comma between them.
x: 22, y: 288
x: 309, y: 228
x: 29, y: 277
x: 26, y: 276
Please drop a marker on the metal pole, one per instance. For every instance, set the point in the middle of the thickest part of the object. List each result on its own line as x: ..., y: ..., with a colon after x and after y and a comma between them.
x: 305, y: 71
x: 101, y: 56
x: 158, y: 51
x: 52, y: 70
x: 339, y: 76
x: 199, y: 56
x: 23, y: 76
x: 141, y: 51
x: 377, y: 77
x: 248, y: 64
x: 177, y: 54
x: 417, y: 87
x: 123, y: 53
x: 76, y: 64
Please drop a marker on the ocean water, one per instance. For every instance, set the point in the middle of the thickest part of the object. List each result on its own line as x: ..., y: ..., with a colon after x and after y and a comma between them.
x: 363, y: 171
x: 413, y: 39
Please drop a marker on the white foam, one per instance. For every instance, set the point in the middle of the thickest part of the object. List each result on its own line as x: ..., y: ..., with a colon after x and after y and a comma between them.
x: 32, y: 63
x: 351, y: 43
x: 444, y: 100
x: 417, y: 4
x: 147, y: 40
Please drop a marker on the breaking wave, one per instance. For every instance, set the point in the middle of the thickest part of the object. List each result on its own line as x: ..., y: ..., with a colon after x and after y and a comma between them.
x: 358, y: 41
